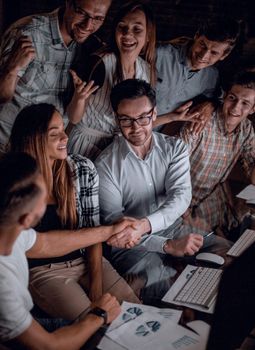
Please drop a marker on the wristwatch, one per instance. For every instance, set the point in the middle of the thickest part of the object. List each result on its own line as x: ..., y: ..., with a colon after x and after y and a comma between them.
x: 99, y: 312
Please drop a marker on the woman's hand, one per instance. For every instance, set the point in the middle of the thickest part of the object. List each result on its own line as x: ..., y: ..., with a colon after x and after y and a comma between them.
x: 82, y: 92
x: 82, y: 89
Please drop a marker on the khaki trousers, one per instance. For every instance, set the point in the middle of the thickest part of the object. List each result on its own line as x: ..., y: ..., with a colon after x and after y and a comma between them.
x: 61, y: 289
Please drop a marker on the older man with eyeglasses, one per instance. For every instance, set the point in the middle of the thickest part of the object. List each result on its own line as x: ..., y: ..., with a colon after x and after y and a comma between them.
x: 37, y: 52
x: 145, y: 175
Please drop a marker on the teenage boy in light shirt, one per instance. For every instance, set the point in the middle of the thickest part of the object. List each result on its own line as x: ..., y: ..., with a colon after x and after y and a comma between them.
x: 187, y: 72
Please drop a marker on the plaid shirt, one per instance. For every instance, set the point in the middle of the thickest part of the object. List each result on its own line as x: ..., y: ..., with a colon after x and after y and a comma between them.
x: 214, y: 152
x: 86, y: 183
x: 46, y: 78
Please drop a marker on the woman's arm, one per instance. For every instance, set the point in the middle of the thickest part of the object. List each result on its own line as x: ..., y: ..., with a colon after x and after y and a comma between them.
x: 182, y: 113
x: 94, y: 256
x: 82, y: 91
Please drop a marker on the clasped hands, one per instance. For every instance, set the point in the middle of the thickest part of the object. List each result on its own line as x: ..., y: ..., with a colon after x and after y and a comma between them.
x: 128, y: 231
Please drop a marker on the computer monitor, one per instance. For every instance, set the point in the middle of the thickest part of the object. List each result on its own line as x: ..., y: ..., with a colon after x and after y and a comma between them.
x: 234, y: 315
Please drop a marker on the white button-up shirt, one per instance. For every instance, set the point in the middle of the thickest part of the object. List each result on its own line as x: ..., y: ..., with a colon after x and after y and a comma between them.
x: 157, y: 187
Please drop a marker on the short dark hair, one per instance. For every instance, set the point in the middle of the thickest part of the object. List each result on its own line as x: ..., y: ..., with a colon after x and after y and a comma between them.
x: 132, y: 89
x: 243, y: 78
x: 18, y: 188
x: 221, y: 30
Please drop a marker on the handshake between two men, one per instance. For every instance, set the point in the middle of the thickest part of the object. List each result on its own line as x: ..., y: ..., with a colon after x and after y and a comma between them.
x: 128, y: 233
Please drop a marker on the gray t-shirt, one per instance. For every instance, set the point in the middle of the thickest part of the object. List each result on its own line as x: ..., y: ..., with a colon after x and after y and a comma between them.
x: 15, y: 299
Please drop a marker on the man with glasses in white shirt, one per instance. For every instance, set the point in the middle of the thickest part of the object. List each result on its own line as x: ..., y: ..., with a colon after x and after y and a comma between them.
x: 37, y: 52
x: 145, y: 175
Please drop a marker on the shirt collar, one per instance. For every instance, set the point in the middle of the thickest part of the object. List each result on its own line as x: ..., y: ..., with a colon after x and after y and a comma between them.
x: 126, y: 148
x: 184, y: 50
x: 54, y: 27
x: 222, y: 126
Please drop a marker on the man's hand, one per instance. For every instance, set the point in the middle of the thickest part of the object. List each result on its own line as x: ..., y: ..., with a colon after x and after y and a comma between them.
x: 187, y: 245
x: 184, y: 113
x: 130, y: 235
x: 22, y: 54
x: 204, y: 113
x: 110, y: 304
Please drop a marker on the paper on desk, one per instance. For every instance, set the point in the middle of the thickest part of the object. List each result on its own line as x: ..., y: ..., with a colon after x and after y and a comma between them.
x: 200, y: 327
x: 141, y: 331
x: 178, y: 284
x: 108, y: 344
x: 174, y: 337
x: 130, y: 311
x: 179, y: 338
x: 248, y: 193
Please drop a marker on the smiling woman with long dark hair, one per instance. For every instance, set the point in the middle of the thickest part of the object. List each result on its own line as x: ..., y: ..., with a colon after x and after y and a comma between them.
x: 65, y: 286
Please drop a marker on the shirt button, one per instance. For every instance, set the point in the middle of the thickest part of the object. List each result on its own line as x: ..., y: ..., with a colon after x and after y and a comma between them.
x: 150, y: 184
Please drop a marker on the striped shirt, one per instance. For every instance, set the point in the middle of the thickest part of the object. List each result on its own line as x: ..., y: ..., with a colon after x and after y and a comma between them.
x: 214, y: 152
x: 98, y: 123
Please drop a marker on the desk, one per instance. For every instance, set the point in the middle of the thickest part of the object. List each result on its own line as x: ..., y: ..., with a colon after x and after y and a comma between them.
x: 221, y: 212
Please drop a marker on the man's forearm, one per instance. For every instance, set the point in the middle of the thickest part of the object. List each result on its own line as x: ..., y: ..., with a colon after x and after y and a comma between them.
x: 70, y: 337
x: 58, y: 243
x: 73, y: 337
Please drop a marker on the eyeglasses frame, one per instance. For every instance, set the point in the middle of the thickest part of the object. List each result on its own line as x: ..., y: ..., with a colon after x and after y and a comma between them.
x: 133, y: 120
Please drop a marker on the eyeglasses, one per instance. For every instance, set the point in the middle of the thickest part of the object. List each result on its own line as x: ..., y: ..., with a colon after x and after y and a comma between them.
x: 144, y: 120
x: 85, y: 17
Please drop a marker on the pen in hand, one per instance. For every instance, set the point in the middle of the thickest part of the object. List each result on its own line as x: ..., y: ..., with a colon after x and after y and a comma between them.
x: 208, y: 234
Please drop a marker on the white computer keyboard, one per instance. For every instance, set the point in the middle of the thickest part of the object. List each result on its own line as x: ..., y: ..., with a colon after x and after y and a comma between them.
x: 243, y: 242
x: 201, y: 288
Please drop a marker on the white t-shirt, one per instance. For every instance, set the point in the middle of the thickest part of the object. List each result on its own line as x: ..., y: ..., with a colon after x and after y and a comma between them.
x: 15, y: 299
